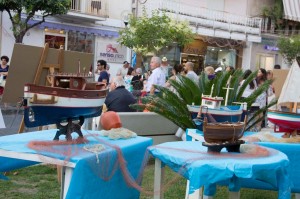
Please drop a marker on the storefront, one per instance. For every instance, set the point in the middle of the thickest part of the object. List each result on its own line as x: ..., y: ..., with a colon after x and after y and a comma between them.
x: 205, y: 51
x: 194, y: 52
x: 266, y: 53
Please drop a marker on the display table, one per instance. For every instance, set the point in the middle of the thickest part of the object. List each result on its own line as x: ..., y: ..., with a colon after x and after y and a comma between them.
x: 191, y: 160
x: 292, y: 151
x: 87, y: 174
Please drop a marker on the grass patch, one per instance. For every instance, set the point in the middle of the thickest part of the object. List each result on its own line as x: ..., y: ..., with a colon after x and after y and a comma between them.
x: 40, y: 182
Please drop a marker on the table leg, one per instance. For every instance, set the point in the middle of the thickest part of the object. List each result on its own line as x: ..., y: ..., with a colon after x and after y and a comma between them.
x: 234, y: 195
x: 66, y: 175
x: 196, y: 195
x: 158, y: 179
x: 297, y: 195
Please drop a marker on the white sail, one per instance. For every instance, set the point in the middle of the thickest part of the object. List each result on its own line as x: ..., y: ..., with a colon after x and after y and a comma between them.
x: 291, y: 89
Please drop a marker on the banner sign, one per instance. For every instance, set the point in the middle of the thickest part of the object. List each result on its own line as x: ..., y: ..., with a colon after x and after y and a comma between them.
x: 111, y: 52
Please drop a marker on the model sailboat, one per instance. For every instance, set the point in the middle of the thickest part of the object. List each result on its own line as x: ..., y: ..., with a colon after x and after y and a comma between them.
x: 288, y: 121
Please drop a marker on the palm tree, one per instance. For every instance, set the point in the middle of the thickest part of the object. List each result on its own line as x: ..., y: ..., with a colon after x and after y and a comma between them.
x: 174, y: 106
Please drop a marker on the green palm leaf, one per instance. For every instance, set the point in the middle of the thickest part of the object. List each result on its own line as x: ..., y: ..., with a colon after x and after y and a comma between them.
x: 247, y: 81
x: 234, y: 83
x: 254, y: 119
x: 262, y: 88
x: 193, y: 88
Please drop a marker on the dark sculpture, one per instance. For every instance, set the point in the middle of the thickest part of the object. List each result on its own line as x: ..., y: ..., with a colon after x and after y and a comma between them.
x: 69, y: 129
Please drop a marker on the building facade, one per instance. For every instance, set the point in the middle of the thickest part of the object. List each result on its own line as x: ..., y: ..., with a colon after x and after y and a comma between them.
x: 91, y: 26
x: 229, y: 32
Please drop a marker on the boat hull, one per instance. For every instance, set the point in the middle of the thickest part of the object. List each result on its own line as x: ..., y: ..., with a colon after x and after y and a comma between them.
x: 44, y: 115
x: 224, y: 114
x: 50, y: 105
x: 286, y: 121
x: 220, y: 133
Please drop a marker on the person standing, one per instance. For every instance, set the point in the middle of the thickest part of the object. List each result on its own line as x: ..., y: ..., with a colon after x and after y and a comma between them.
x: 103, y: 76
x: 124, y: 69
x: 137, y: 80
x: 176, y: 71
x: 128, y: 78
x: 166, y: 67
x: 3, y: 72
x: 157, y: 76
x: 119, y: 98
x: 262, y: 98
x: 190, y: 72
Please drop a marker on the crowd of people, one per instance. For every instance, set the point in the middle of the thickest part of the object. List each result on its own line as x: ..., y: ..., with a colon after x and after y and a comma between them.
x: 131, y: 83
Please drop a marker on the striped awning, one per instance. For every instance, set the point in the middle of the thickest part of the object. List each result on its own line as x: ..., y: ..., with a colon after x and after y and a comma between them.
x: 291, y: 9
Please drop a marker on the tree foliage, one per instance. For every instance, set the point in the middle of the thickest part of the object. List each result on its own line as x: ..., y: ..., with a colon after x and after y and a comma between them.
x: 22, y: 11
x: 289, y: 48
x: 151, y: 33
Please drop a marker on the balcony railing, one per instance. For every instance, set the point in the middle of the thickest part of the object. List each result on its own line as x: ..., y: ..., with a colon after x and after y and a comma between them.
x: 206, y: 20
x: 90, y: 7
x: 283, y: 27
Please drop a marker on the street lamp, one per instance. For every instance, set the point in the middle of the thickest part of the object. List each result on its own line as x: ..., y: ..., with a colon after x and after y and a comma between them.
x: 125, y: 17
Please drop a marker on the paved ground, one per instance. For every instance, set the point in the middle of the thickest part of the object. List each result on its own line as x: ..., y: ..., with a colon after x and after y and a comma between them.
x: 12, y: 116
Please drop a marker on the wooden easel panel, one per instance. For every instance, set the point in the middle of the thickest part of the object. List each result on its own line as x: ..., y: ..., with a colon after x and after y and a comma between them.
x: 24, y: 62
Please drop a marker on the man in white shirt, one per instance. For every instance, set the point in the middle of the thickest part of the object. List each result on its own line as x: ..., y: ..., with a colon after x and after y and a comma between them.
x: 191, y: 74
x: 157, y: 77
x: 124, y: 69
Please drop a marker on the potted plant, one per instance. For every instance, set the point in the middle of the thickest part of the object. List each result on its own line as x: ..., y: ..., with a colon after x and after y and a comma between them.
x: 174, y: 107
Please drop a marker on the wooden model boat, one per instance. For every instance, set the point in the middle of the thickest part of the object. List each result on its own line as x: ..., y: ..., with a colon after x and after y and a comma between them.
x: 70, y: 97
x: 288, y: 122
x: 285, y: 121
x: 220, y: 132
x: 222, y: 114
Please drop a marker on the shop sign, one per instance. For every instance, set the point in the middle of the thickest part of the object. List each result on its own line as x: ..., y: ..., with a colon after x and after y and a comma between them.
x: 271, y: 48
x: 268, y: 41
x: 111, y: 52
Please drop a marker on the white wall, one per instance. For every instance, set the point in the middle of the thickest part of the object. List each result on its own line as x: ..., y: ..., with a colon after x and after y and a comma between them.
x: 236, y: 7
x: 34, y: 37
x: 215, y: 5
x: 7, y: 40
x: 117, y: 7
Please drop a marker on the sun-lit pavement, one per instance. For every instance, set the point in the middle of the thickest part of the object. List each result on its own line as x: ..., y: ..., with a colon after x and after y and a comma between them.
x: 12, y: 116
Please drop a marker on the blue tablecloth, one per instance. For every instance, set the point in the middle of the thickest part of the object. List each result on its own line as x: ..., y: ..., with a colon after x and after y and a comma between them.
x: 292, y: 150
x: 90, y: 179
x: 191, y: 160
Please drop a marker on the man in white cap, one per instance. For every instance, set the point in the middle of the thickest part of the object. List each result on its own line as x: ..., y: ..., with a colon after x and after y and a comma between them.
x: 166, y: 67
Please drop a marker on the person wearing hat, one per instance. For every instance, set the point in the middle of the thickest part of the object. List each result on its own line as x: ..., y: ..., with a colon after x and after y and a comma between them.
x: 123, y: 70
x: 166, y: 67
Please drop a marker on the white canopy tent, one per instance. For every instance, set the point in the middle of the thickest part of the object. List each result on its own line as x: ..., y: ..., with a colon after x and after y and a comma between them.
x: 292, y: 9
